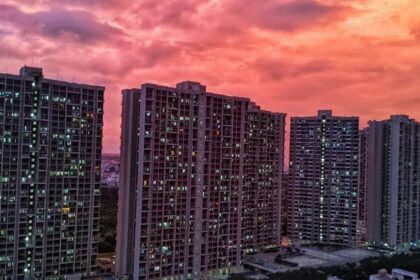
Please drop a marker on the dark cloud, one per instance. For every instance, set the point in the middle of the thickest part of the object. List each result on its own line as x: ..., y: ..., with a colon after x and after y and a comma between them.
x: 294, y: 14
x: 286, y: 15
x: 54, y: 23
x: 276, y: 69
x: 235, y: 15
x: 158, y: 52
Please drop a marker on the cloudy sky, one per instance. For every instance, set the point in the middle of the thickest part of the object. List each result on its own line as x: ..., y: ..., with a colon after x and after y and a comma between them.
x: 357, y: 57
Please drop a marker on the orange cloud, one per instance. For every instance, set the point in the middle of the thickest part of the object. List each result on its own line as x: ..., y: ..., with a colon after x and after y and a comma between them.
x: 294, y: 56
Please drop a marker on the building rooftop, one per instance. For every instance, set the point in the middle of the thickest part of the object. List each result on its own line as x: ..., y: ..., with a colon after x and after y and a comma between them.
x: 327, y: 113
x: 395, y: 274
x: 309, y: 257
x: 27, y: 72
x: 190, y: 85
x: 399, y: 117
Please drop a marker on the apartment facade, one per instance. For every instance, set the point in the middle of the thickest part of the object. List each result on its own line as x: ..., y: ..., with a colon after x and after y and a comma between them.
x: 323, y: 179
x: 362, y: 193
x: 201, y: 175
x: 393, y: 213
x: 285, y: 193
x: 50, y: 148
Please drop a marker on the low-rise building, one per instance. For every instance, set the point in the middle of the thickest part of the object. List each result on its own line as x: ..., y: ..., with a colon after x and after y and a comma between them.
x: 397, y: 273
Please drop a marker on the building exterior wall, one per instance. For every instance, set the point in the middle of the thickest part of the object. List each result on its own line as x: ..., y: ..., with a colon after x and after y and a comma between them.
x: 197, y: 152
x: 362, y: 193
x: 128, y: 179
x: 393, y: 182
x: 323, y: 178
x: 285, y: 194
x: 50, y: 152
x: 263, y: 178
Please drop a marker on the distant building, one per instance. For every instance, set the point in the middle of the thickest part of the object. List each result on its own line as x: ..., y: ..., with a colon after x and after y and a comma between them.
x: 397, y: 274
x: 200, y: 182
x: 305, y: 257
x: 393, y: 186
x: 323, y: 179
x: 50, y: 151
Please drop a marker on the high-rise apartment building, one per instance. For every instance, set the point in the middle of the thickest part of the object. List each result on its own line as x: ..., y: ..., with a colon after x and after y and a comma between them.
x: 200, y: 182
x: 50, y: 154
x: 393, y: 190
x: 323, y: 179
x: 362, y: 193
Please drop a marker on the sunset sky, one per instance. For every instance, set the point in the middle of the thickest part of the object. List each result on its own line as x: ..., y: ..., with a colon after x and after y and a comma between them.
x: 357, y: 57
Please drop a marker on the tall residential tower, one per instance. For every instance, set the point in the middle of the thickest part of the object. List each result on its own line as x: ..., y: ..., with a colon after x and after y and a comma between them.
x: 362, y: 192
x: 200, y: 181
x: 50, y: 155
x: 323, y: 179
x: 393, y: 187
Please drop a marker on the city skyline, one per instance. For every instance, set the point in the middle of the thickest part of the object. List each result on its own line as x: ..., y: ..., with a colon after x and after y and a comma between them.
x: 288, y: 56
x: 179, y: 139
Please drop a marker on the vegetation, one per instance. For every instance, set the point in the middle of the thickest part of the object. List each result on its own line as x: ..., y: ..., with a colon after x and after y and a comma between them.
x: 108, y: 220
x: 351, y: 271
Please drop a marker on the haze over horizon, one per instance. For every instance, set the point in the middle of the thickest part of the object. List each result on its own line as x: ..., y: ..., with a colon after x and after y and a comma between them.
x: 359, y: 57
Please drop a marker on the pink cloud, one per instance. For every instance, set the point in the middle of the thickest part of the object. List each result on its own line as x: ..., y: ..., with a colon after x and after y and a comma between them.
x: 292, y: 56
x: 81, y: 25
